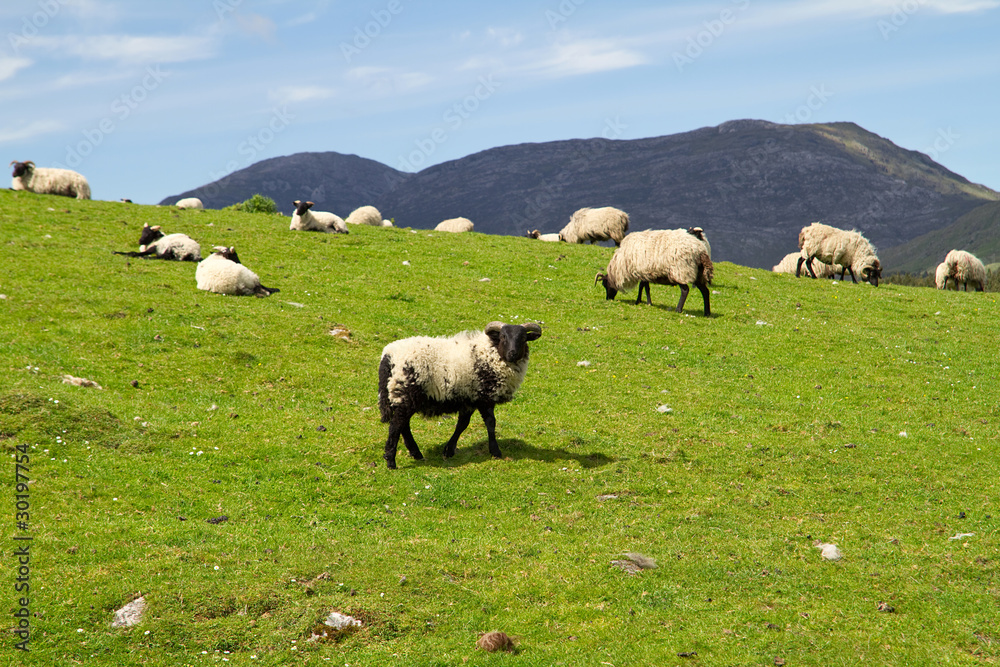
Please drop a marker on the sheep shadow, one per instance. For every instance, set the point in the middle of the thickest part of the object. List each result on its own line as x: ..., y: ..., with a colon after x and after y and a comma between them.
x: 514, y: 449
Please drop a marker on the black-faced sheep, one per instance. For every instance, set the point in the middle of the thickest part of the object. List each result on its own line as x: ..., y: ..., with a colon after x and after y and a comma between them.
x: 535, y: 234
x: 367, y: 215
x: 222, y: 273
x: 836, y: 246
x: 664, y: 257
x: 596, y: 224
x: 154, y: 244
x: 472, y: 370
x: 962, y: 267
x: 49, y: 180
x: 190, y: 202
x: 456, y: 225
x: 304, y: 220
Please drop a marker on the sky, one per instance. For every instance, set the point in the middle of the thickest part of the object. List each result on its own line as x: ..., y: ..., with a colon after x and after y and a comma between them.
x: 150, y: 99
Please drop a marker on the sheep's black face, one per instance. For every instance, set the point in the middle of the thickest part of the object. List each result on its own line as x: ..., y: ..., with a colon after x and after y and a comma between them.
x: 872, y: 274
x: 150, y: 234
x: 20, y: 169
x: 511, y: 340
x: 609, y: 291
x: 302, y: 206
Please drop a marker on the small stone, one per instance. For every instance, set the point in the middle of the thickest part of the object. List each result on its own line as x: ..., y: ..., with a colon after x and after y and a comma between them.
x: 495, y: 641
x: 130, y: 614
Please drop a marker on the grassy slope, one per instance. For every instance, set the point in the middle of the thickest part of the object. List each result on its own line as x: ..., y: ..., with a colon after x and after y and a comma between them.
x: 788, y: 407
x: 978, y: 231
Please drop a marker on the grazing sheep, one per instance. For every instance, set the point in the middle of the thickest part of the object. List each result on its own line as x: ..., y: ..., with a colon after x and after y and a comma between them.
x: 153, y: 243
x: 304, y: 220
x: 596, y: 224
x: 472, y: 370
x: 366, y: 215
x: 49, y: 180
x: 964, y: 268
x: 664, y: 257
x: 387, y: 223
x: 455, y: 225
x: 835, y: 246
x: 189, y: 202
x: 790, y: 263
x: 222, y: 273
x: 544, y: 237
x: 941, y: 276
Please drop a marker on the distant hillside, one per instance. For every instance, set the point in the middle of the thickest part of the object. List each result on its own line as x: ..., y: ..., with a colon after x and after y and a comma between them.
x: 751, y: 184
x: 978, y: 231
x: 336, y: 182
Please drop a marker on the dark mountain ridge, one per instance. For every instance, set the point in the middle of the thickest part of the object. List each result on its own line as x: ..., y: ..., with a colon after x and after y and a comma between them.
x: 752, y: 185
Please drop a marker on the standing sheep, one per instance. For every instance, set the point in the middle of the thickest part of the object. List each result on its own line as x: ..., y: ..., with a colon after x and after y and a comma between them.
x: 664, y: 257
x: 367, y: 215
x: 964, y: 268
x: 304, y: 220
x: 596, y: 224
x: 190, y: 202
x: 153, y: 242
x: 49, y: 180
x: 472, y: 370
x: 835, y: 246
x: 455, y: 225
x: 554, y: 237
x: 222, y: 273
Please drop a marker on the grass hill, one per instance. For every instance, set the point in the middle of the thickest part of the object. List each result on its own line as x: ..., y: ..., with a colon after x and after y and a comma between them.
x: 978, y: 231
x: 229, y: 469
x: 751, y: 184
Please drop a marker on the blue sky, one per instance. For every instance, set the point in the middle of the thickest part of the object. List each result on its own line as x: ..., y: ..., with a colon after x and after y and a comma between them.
x: 149, y: 99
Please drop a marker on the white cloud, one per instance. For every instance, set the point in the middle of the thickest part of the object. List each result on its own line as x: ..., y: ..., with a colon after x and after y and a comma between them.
x: 807, y: 11
x: 505, y: 37
x: 294, y: 94
x: 10, y: 66
x: 301, y: 19
x: 385, y: 81
x: 29, y: 130
x: 129, y: 49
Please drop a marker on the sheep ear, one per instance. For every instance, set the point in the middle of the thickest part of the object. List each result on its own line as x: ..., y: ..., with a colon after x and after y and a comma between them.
x: 533, y: 330
x: 297, y: 203
x: 145, y: 225
x: 156, y: 228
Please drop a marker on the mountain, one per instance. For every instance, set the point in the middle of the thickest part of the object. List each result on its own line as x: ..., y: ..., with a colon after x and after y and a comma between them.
x: 336, y: 182
x: 751, y: 184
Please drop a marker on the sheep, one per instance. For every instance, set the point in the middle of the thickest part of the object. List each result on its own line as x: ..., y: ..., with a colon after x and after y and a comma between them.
x: 790, y: 262
x: 455, y: 225
x: 664, y: 257
x: 543, y: 237
x: 596, y: 224
x: 387, y: 223
x: 189, y: 202
x: 941, y: 276
x: 49, y: 180
x: 366, y: 215
x: 315, y: 221
x: 836, y: 246
x: 153, y: 243
x: 472, y: 370
x: 700, y: 234
x: 222, y: 273
x: 964, y: 268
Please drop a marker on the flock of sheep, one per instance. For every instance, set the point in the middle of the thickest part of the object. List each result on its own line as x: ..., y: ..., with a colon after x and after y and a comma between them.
x: 477, y: 370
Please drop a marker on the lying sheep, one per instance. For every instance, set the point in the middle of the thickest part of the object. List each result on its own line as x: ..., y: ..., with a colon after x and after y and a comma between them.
x: 664, y: 257
x: 153, y: 243
x: 367, y: 215
x: 472, y: 370
x: 596, y: 224
x: 49, y: 180
x: 222, y: 273
x: 455, y: 225
x: 835, y: 246
x: 543, y: 237
x: 790, y: 263
x: 964, y: 268
x: 189, y: 202
x: 304, y: 220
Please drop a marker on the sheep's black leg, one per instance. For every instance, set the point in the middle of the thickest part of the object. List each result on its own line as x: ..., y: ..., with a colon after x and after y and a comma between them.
x: 491, y: 429
x: 812, y: 271
x: 463, y: 423
x: 411, y: 444
x: 798, y: 267
x: 638, y: 299
x: 684, y: 295
x: 704, y: 295
x: 855, y: 280
x: 398, y: 424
